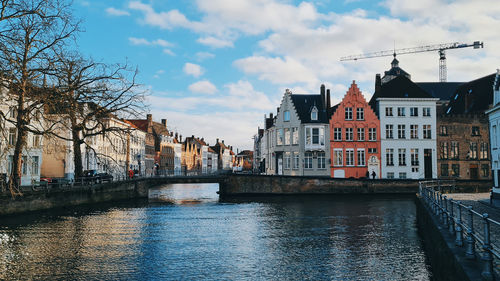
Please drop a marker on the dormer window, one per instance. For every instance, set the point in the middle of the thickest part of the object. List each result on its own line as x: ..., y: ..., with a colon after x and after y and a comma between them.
x: 314, y: 114
x: 286, y: 116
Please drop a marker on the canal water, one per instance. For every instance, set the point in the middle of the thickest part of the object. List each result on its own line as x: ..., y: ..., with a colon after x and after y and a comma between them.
x: 185, y: 233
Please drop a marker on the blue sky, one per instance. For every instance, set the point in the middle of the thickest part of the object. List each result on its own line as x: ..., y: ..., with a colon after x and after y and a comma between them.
x: 213, y: 68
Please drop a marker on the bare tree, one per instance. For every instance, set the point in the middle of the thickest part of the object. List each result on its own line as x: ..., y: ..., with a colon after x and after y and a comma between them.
x: 90, y: 94
x: 27, y: 46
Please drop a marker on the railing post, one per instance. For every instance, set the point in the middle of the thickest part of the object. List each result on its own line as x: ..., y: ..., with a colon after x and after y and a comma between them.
x: 443, y: 214
x: 451, y: 218
x: 436, y: 203
x: 458, y: 230
x: 470, y: 252
x: 487, y: 273
x: 446, y: 217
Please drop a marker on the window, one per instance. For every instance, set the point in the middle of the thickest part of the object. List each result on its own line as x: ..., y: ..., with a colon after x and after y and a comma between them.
x: 427, y: 131
x: 11, y: 162
x: 484, y: 151
x: 279, y: 140
x: 295, y: 135
x: 372, y: 150
x: 308, y: 160
x: 348, y: 113
x: 286, y: 115
x: 413, y: 111
x: 388, y: 111
x: 360, y: 113
x: 12, y: 136
x: 454, y: 150
x: 315, y: 133
x: 402, y: 175
x: 389, y: 156
x: 348, y: 134
x: 315, y: 136
x: 444, y: 170
x: 372, y: 134
x: 401, y: 111
x: 414, y: 156
x: 24, y: 165
x: 444, y: 150
x: 287, y: 160
x: 34, y: 165
x: 401, y: 132
x: 287, y: 136
x: 443, y: 131
x: 485, y: 170
x: 494, y: 136
x: 295, y: 160
x: 361, y: 157
x: 337, y: 157
x: 413, y: 131
x: 13, y: 112
x: 402, y: 156
x: 475, y: 131
x: 321, y: 160
x: 473, y: 150
x: 36, y: 141
x: 349, y: 157
x: 390, y: 175
x: 455, y: 170
x: 337, y: 134
x: 314, y: 114
x: 361, y: 134
x: 426, y: 111
x: 388, y: 131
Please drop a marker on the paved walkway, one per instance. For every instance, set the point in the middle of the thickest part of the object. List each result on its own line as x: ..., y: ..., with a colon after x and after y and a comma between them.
x: 480, y: 203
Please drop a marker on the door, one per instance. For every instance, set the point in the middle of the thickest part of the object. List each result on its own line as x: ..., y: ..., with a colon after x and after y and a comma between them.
x: 474, y: 171
x: 428, y: 163
x: 280, y: 165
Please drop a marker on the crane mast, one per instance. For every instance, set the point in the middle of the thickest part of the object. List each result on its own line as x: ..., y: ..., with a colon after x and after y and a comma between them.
x: 441, y: 48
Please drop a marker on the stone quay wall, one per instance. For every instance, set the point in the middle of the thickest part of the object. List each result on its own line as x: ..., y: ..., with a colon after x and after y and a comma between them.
x: 261, y: 185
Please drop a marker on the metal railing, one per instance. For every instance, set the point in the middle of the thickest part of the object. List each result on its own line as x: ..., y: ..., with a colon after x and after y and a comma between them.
x: 471, y: 229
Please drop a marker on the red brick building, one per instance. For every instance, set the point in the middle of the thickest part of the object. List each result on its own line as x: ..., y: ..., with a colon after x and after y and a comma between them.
x: 354, y: 137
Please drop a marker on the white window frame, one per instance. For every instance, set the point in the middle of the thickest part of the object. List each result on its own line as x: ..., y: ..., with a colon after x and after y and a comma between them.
x: 348, y: 113
x: 286, y: 115
x: 337, y: 134
x: 361, y: 134
x: 360, y: 113
x: 372, y: 134
x: 361, y: 157
x: 349, y: 134
x: 349, y: 157
x: 338, y: 156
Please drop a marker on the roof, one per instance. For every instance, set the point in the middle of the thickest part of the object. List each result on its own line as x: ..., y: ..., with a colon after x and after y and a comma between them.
x: 472, y: 97
x: 333, y: 109
x: 141, y: 124
x: 441, y: 90
x: 246, y: 153
x: 160, y: 129
x: 399, y: 87
x: 304, y: 105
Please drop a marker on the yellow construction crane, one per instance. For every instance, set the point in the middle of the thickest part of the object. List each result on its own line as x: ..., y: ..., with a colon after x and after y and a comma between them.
x: 441, y: 48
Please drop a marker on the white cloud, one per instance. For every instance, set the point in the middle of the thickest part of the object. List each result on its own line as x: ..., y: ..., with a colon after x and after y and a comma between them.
x: 116, y: 12
x: 168, y: 52
x: 204, y: 55
x: 193, y: 69
x: 164, y: 20
x: 203, y: 87
x: 277, y: 70
x: 143, y: 41
x: 215, y: 42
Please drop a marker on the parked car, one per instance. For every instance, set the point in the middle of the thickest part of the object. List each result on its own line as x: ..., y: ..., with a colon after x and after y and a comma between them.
x: 104, y: 177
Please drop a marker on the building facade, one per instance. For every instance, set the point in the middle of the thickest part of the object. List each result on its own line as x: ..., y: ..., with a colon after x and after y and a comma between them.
x: 354, y: 138
x: 407, y: 117
x: 494, y: 128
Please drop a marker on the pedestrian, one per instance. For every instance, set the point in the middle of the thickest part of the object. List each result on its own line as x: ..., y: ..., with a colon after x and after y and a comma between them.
x: 374, y: 174
x: 130, y: 173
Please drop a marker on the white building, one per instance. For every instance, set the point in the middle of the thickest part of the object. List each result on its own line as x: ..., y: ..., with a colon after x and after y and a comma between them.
x: 31, y: 154
x: 494, y: 120
x: 408, y: 129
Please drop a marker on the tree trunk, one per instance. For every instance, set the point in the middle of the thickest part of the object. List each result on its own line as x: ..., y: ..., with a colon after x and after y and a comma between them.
x: 21, y: 135
x: 77, y: 152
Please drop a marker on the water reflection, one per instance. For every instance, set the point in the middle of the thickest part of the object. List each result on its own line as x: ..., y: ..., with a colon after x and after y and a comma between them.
x: 306, y: 238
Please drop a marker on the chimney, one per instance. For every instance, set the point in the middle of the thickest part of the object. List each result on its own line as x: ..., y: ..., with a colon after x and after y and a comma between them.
x: 180, y: 138
x: 164, y: 122
x: 149, y: 117
x: 378, y: 82
x: 328, y: 101
x: 271, y: 115
x: 322, y: 89
x: 277, y: 110
x: 217, y: 141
